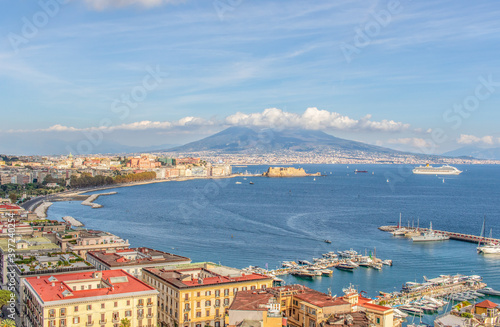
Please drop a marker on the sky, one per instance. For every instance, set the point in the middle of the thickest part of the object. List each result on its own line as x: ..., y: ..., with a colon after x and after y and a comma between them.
x: 92, y: 75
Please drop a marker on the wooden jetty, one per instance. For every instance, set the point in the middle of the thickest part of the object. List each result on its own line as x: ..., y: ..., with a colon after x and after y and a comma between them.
x: 452, y: 235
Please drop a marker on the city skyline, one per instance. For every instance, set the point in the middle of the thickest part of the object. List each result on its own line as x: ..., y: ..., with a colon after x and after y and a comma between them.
x: 399, y: 74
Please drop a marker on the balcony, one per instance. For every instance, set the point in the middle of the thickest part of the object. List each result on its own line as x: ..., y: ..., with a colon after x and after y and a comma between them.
x: 116, y: 319
x: 216, y: 305
x: 149, y: 316
x: 103, y: 321
x: 89, y: 323
x: 187, y: 309
x: 150, y: 304
x: 140, y: 316
x: 140, y: 305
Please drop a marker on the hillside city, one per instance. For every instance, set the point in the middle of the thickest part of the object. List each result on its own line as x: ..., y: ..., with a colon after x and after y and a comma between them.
x: 59, y: 273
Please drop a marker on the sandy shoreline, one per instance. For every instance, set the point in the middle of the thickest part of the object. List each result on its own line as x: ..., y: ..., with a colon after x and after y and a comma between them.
x: 41, y: 209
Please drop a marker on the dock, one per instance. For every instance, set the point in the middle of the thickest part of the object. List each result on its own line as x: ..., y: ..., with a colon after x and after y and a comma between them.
x: 451, y: 235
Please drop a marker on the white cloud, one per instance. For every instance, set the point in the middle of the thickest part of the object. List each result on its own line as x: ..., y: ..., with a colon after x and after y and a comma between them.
x: 471, y: 139
x: 105, y: 4
x: 411, y: 141
x: 311, y: 119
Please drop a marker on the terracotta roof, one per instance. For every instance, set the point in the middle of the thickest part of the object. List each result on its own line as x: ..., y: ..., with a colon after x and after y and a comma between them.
x: 9, y: 207
x: 487, y: 304
x: 251, y: 300
x: 173, y: 276
x: 319, y: 299
x: 117, y: 259
x: 53, y: 288
x: 364, y: 302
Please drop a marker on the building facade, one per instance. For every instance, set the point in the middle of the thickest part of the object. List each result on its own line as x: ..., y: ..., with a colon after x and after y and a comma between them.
x: 199, y: 295
x: 133, y: 260
x: 90, y: 299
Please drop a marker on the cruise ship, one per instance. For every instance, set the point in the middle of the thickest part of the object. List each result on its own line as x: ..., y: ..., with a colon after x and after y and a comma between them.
x: 430, y: 170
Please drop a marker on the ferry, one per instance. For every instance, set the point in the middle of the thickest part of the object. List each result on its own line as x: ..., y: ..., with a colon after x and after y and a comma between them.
x: 430, y: 170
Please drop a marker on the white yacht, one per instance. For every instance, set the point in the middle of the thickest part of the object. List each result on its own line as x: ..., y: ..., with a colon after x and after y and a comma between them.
x: 430, y: 170
x: 490, y: 248
x: 430, y: 236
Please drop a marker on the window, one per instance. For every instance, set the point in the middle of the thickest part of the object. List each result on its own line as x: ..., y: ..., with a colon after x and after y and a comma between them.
x: 263, y: 287
x: 90, y: 287
x: 198, y: 314
x: 244, y: 288
x: 217, y: 293
x: 76, y: 309
x: 186, y: 296
x: 198, y: 294
x: 76, y: 320
x: 62, y: 322
x: 141, y: 302
x: 103, y: 305
x: 116, y: 304
x: 198, y: 325
x: 226, y: 301
x: 208, y: 303
x: 140, y: 312
x: 198, y: 304
x: 74, y: 288
x: 217, y: 324
x: 89, y: 307
x: 207, y: 293
x: 63, y: 312
x: 208, y: 313
x: 378, y: 320
x: 128, y: 313
x: 103, y: 318
x: 226, y: 292
x: 235, y: 290
x: 82, y: 287
x: 128, y: 302
x: 252, y: 287
x: 185, y: 317
x: 217, y: 303
x: 89, y: 319
x: 186, y: 306
x: 216, y: 312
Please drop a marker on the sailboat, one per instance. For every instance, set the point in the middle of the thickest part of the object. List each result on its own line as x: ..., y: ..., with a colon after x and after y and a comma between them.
x: 490, y: 248
x: 400, y: 231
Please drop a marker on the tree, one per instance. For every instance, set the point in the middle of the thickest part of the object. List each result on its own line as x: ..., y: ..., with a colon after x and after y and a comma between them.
x: 8, y: 323
x: 4, y: 297
x: 124, y: 322
x: 13, y: 197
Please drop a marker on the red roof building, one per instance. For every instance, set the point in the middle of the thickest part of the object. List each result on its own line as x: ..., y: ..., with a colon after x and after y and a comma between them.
x: 97, y: 298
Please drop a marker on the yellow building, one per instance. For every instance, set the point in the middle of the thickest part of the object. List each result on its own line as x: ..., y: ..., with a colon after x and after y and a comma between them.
x: 197, y: 295
x: 100, y: 299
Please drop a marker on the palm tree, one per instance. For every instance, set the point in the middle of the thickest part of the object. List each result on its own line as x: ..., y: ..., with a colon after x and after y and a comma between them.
x: 8, y: 323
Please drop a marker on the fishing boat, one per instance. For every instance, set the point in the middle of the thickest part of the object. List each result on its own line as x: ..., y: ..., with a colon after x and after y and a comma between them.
x: 327, y: 241
x: 347, y: 266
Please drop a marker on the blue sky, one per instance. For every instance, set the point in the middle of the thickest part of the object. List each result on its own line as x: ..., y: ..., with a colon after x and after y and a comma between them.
x: 418, y: 76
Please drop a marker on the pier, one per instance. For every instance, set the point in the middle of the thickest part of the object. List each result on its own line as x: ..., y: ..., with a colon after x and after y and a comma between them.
x: 452, y: 235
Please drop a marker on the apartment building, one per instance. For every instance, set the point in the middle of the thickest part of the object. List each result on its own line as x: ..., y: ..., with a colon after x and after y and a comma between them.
x: 198, y: 295
x: 100, y: 299
x: 134, y: 260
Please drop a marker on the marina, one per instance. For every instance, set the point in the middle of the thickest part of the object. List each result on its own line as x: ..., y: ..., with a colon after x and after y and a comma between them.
x: 347, y: 260
x: 401, y: 231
